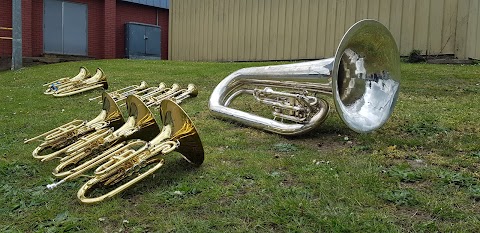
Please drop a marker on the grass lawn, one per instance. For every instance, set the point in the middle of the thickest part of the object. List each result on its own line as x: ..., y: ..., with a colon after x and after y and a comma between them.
x: 419, y: 172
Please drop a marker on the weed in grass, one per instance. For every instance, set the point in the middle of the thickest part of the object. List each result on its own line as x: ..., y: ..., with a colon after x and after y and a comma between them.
x: 396, y: 153
x: 457, y: 178
x: 63, y: 222
x: 429, y: 226
x: 474, y: 191
x: 426, y: 128
x: 18, y: 169
x: 447, y: 212
x: 285, y: 147
x: 475, y: 154
x: 18, y: 199
x: 402, y: 197
x: 405, y: 174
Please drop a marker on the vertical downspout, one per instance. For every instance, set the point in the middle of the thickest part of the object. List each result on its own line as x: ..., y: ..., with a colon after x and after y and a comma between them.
x: 16, y: 34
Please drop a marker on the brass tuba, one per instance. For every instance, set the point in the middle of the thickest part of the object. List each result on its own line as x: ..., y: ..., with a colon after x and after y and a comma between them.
x: 70, y: 166
x: 122, y: 161
x: 99, y: 79
x: 53, y: 86
x: 363, y: 78
x: 58, y: 139
x: 140, y: 124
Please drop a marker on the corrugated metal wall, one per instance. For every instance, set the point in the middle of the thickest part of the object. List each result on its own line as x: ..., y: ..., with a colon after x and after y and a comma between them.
x: 471, y: 31
x: 241, y: 30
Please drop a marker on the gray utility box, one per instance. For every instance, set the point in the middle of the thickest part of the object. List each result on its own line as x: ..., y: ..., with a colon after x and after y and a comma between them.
x: 142, y: 41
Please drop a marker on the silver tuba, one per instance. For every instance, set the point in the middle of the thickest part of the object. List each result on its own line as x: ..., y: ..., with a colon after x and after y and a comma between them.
x: 363, y: 78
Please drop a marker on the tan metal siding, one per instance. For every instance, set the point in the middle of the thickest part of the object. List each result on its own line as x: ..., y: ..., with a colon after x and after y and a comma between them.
x: 245, y: 30
x: 435, y: 27
x: 362, y: 9
x: 231, y: 30
x: 350, y: 15
x: 407, y: 26
x: 422, y: 18
x: 271, y: 25
x: 384, y: 12
x: 475, y: 34
x: 303, y: 38
x: 449, y: 25
x: 477, y: 39
x: 287, y: 30
x: 330, y: 29
x: 340, y: 17
x: 248, y: 31
x: 461, y: 28
x: 472, y: 28
x: 373, y: 9
x: 311, y: 42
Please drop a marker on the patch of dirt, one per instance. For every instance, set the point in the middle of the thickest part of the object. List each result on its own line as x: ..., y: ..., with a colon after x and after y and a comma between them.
x: 416, y: 56
x: 327, y: 142
x: 288, y: 183
x: 419, y: 186
x: 450, y: 61
x: 432, y: 157
x: 417, y: 163
x: 407, y: 217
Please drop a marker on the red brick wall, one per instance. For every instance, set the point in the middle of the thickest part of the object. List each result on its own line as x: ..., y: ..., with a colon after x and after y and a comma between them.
x: 32, y: 37
x: 5, y: 21
x: 27, y: 28
x: 163, y: 22
x: 109, y: 36
x: 106, y: 26
x: 37, y: 28
x: 130, y: 12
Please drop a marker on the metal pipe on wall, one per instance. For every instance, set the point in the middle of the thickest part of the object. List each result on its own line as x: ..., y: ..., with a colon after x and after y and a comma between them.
x: 16, y: 34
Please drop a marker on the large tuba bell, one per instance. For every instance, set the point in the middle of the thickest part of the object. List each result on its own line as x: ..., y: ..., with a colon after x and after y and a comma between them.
x: 99, y: 79
x: 140, y: 124
x: 54, y: 85
x: 58, y: 139
x: 363, y: 77
x: 178, y: 134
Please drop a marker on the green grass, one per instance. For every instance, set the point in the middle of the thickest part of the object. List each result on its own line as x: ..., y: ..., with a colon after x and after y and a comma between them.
x: 419, y: 173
